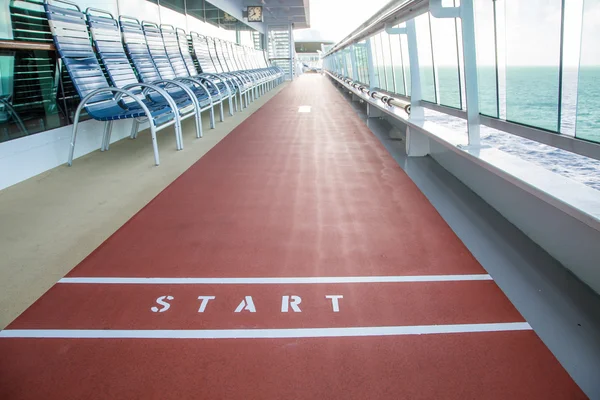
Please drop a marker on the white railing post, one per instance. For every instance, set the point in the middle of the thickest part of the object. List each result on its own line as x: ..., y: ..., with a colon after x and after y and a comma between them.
x: 417, y: 144
x: 465, y: 13
x: 416, y: 110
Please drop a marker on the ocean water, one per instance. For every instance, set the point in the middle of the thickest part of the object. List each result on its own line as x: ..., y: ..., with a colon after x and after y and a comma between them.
x: 530, y: 96
x: 526, y: 95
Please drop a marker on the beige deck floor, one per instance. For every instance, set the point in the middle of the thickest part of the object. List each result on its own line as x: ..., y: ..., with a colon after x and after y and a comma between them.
x: 50, y: 222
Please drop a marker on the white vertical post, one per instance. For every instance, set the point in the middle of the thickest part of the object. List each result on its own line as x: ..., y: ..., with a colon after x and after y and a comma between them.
x: 417, y: 144
x: 416, y: 110
x: 470, y: 62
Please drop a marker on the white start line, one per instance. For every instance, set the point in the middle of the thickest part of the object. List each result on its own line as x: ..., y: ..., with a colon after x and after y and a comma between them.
x: 279, y: 280
x: 264, y: 333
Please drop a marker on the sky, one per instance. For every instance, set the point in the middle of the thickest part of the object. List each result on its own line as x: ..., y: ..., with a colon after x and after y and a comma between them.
x: 335, y: 19
x: 528, y: 30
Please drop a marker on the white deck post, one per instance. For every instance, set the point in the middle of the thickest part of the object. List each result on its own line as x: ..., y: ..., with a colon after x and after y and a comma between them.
x: 465, y: 13
x: 470, y: 62
x: 417, y: 144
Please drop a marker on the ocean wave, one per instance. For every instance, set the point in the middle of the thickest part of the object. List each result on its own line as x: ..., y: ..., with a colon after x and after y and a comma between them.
x: 573, y: 166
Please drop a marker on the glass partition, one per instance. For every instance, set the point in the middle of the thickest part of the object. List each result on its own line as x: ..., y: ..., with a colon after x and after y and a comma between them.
x: 485, y: 40
x: 388, y: 65
x: 425, y: 52
x: 406, y: 62
x: 533, y: 60
x: 445, y: 53
x: 397, y: 65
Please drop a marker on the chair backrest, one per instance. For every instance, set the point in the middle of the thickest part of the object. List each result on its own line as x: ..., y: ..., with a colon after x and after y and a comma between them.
x: 137, y: 49
x: 265, y: 59
x: 171, y: 47
x: 223, y: 56
x: 158, y: 51
x: 106, y: 36
x: 238, y: 56
x: 185, y: 50
x: 202, y: 53
x: 228, y: 47
x: 254, y: 55
x: 217, y: 58
x: 247, y: 57
x: 72, y: 41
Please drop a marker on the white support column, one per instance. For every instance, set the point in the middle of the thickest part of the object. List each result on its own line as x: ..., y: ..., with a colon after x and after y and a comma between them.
x: 470, y: 61
x: 465, y: 13
x: 417, y: 144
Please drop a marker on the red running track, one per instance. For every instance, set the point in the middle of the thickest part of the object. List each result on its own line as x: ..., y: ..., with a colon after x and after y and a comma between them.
x: 284, y: 197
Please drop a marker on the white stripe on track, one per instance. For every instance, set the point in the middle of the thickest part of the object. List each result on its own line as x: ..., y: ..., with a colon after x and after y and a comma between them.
x: 278, y: 280
x: 264, y: 333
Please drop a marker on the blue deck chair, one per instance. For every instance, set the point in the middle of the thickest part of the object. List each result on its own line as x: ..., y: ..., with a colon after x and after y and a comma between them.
x: 238, y: 56
x: 223, y: 82
x: 219, y: 90
x: 100, y: 100
x: 210, y: 64
x: 214, y: 47
x: 157, y: 49
x: 106, y: 36
x: 138, y: 52
x: 229, y: 65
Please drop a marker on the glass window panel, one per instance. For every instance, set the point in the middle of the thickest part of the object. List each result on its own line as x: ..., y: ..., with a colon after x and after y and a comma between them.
x: 532, y: 62
x: 406, y: 61
x: 195, y: 8
x: 397, y: 64
x: 380, y: 63
x: 571, y: 53
x: 387, y: 62
x: 425, y: 57
x: 378, y: 78
x: 588, y: 105
x: 175, y: 5
x: 32, y: 98
x: 172, y: 17
x: 145, y: 10
x: 446, y: 61
x: 485, y: 42
x: 349, y: 63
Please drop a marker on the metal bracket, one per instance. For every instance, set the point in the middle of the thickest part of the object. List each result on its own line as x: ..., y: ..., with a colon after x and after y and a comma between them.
x: 438, y: 11
x: 389, y: 29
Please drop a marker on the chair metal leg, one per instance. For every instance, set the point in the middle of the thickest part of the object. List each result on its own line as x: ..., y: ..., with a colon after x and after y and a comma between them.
x: 154, y: 143
x: 134, y: 129
x: 107, y: 133
x: 199, y: 132
x: 212, y: 117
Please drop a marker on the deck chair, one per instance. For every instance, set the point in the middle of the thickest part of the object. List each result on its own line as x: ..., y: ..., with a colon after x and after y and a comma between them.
x: 210, y: 64
x: 230, y: 67
x: 138, y: 52
x: 219, y: 90
x: 101, y: 101
x: 177, y: 71
x: 106, y: 37
x: 225, y: 83
x: 214, y: 46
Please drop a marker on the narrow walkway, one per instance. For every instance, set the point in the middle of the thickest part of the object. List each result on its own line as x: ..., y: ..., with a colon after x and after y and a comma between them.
x: 294, y: 260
